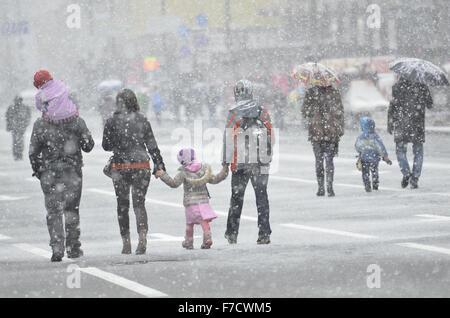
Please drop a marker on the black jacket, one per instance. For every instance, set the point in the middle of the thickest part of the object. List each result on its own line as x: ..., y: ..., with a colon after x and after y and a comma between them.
x: 406, y: 114
x: 57, y: 145
x: 129, y: 136
x: 18, y: 117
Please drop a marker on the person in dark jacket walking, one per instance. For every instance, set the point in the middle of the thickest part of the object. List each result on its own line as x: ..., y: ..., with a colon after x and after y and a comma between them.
x: 247, y: 147
x: 18, y: 118
x: 323, y: 109
x: 406, y: 120
x: 56, y: 159
x: 128, y: 134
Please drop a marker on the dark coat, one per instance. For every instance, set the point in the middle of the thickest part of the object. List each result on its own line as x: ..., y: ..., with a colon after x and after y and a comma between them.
x: 56, y: 145
x: 406, y: 114
x: 18, y: 117
x: 323, y: 108
x: 129, y: 136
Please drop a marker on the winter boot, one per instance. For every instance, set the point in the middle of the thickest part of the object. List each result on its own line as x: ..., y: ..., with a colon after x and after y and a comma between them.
x: 57, y: 256
x: 73, y: 249
x: 330, y: 177
x: 414, y: 183
x: 367, y: 186
x: 188, y: 243
x: 265, y: 239
x: 375, y: 186
x: 321, y: 189
x: 231, y: 238
x: 126, y: 249
x: 207, y: 240
x: 405, y: 181
x: 142, y: 245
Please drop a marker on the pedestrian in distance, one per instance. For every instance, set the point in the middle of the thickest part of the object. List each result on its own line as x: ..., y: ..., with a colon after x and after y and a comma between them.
x: 18, y: 118
x: 56, y: 159
x: 324, y: 111
x: 129, y: 135
x: 406, y: 121
x: 247, y: 148
x: 195, y: 176
x: 370, y: 150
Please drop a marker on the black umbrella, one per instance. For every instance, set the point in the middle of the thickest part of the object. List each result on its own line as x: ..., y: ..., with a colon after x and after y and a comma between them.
x: 421, y: 71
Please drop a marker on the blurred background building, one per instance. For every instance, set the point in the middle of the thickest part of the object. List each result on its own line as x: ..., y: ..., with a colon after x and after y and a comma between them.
x: 168, y: 43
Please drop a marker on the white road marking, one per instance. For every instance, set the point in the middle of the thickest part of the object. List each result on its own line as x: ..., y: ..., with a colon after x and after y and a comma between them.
x: 112, y: 278
x: 175, y: 205
x: 4, y: 237
x: 11, y: 198
x: 123, y: 282
x: 424, y: 247
x: 337, y: 184
x: 341, y: 160
x: 432, y: 217
x: 328, y: 231
x: 38, y: 251
x: 161, y: 237
x: 360, y: 186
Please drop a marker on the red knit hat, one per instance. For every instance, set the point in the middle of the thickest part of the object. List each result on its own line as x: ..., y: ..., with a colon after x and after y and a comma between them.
x: 41, y: 77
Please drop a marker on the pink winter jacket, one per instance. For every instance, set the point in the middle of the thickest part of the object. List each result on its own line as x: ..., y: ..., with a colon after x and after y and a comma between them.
x: 54, y: 102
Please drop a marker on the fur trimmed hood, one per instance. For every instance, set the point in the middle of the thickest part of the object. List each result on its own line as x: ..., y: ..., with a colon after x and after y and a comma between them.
x: 203, y: 179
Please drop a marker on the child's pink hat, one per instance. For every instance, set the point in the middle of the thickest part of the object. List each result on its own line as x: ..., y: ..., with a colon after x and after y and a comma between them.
x: 186, y: 156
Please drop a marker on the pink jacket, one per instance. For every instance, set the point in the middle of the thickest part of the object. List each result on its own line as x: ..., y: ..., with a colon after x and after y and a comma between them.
x: 54, y: 102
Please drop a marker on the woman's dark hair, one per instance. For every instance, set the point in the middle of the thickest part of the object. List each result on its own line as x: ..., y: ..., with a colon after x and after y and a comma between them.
x: 126, y: 98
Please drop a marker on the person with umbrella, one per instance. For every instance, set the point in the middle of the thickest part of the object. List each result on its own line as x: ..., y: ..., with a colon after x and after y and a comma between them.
x: 324, y: 111
x: 106, y: 105
x: 406, y: 113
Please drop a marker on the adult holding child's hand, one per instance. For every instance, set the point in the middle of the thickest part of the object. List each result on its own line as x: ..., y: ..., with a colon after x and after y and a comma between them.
x: 128, y: 134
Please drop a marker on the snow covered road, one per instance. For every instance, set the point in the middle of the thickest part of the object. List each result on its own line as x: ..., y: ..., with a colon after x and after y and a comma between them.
x: 320, y: 246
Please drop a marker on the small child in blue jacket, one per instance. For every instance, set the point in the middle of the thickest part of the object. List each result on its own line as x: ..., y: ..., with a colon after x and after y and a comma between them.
x: 371, y: 149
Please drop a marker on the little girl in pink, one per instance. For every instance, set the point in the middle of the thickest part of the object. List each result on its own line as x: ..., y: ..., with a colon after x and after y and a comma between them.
x: 194, y: 176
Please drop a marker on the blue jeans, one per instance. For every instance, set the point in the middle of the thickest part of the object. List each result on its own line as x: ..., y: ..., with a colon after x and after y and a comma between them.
x: 401, y: 148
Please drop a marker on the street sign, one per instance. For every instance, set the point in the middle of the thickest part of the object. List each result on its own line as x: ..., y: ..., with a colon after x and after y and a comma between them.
x: 184, y: 31
x: 201, y: 19
x: 15, y: 28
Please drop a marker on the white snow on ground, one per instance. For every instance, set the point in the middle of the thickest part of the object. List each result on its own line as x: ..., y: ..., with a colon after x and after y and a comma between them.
x: 320, y: 246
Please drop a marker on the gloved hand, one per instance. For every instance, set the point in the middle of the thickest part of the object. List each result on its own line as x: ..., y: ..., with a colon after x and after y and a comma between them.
x: 37, y: 174
x: 387, y: 160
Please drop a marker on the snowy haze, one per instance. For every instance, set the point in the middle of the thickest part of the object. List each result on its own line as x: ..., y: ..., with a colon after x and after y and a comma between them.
x: 182, y: 58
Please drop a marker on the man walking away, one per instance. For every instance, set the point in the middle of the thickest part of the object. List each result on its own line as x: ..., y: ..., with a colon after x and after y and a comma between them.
x: 55, y: 155
x: 248, y: 141
x: 18, y: 118
x: 406, y: 120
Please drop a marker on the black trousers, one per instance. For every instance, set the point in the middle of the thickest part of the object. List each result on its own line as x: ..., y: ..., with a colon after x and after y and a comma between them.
x: 239, y: 181
x: 18, y: 144
x: 370, y: 168
x: 138, y: 181
x: 62, y: 192
x: 325, y: 151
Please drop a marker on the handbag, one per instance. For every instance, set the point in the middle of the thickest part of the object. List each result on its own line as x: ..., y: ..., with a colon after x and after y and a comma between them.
x: 107, y: 168
x: 359, y: 164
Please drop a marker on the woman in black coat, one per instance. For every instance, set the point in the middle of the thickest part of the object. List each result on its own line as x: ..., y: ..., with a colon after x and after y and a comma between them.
x: 128, y: 134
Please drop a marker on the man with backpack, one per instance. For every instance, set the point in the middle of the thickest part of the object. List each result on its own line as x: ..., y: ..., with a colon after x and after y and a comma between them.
x: 247, y: 147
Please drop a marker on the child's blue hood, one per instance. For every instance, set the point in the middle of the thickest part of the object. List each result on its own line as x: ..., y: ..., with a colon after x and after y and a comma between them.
x: 368, y: 125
